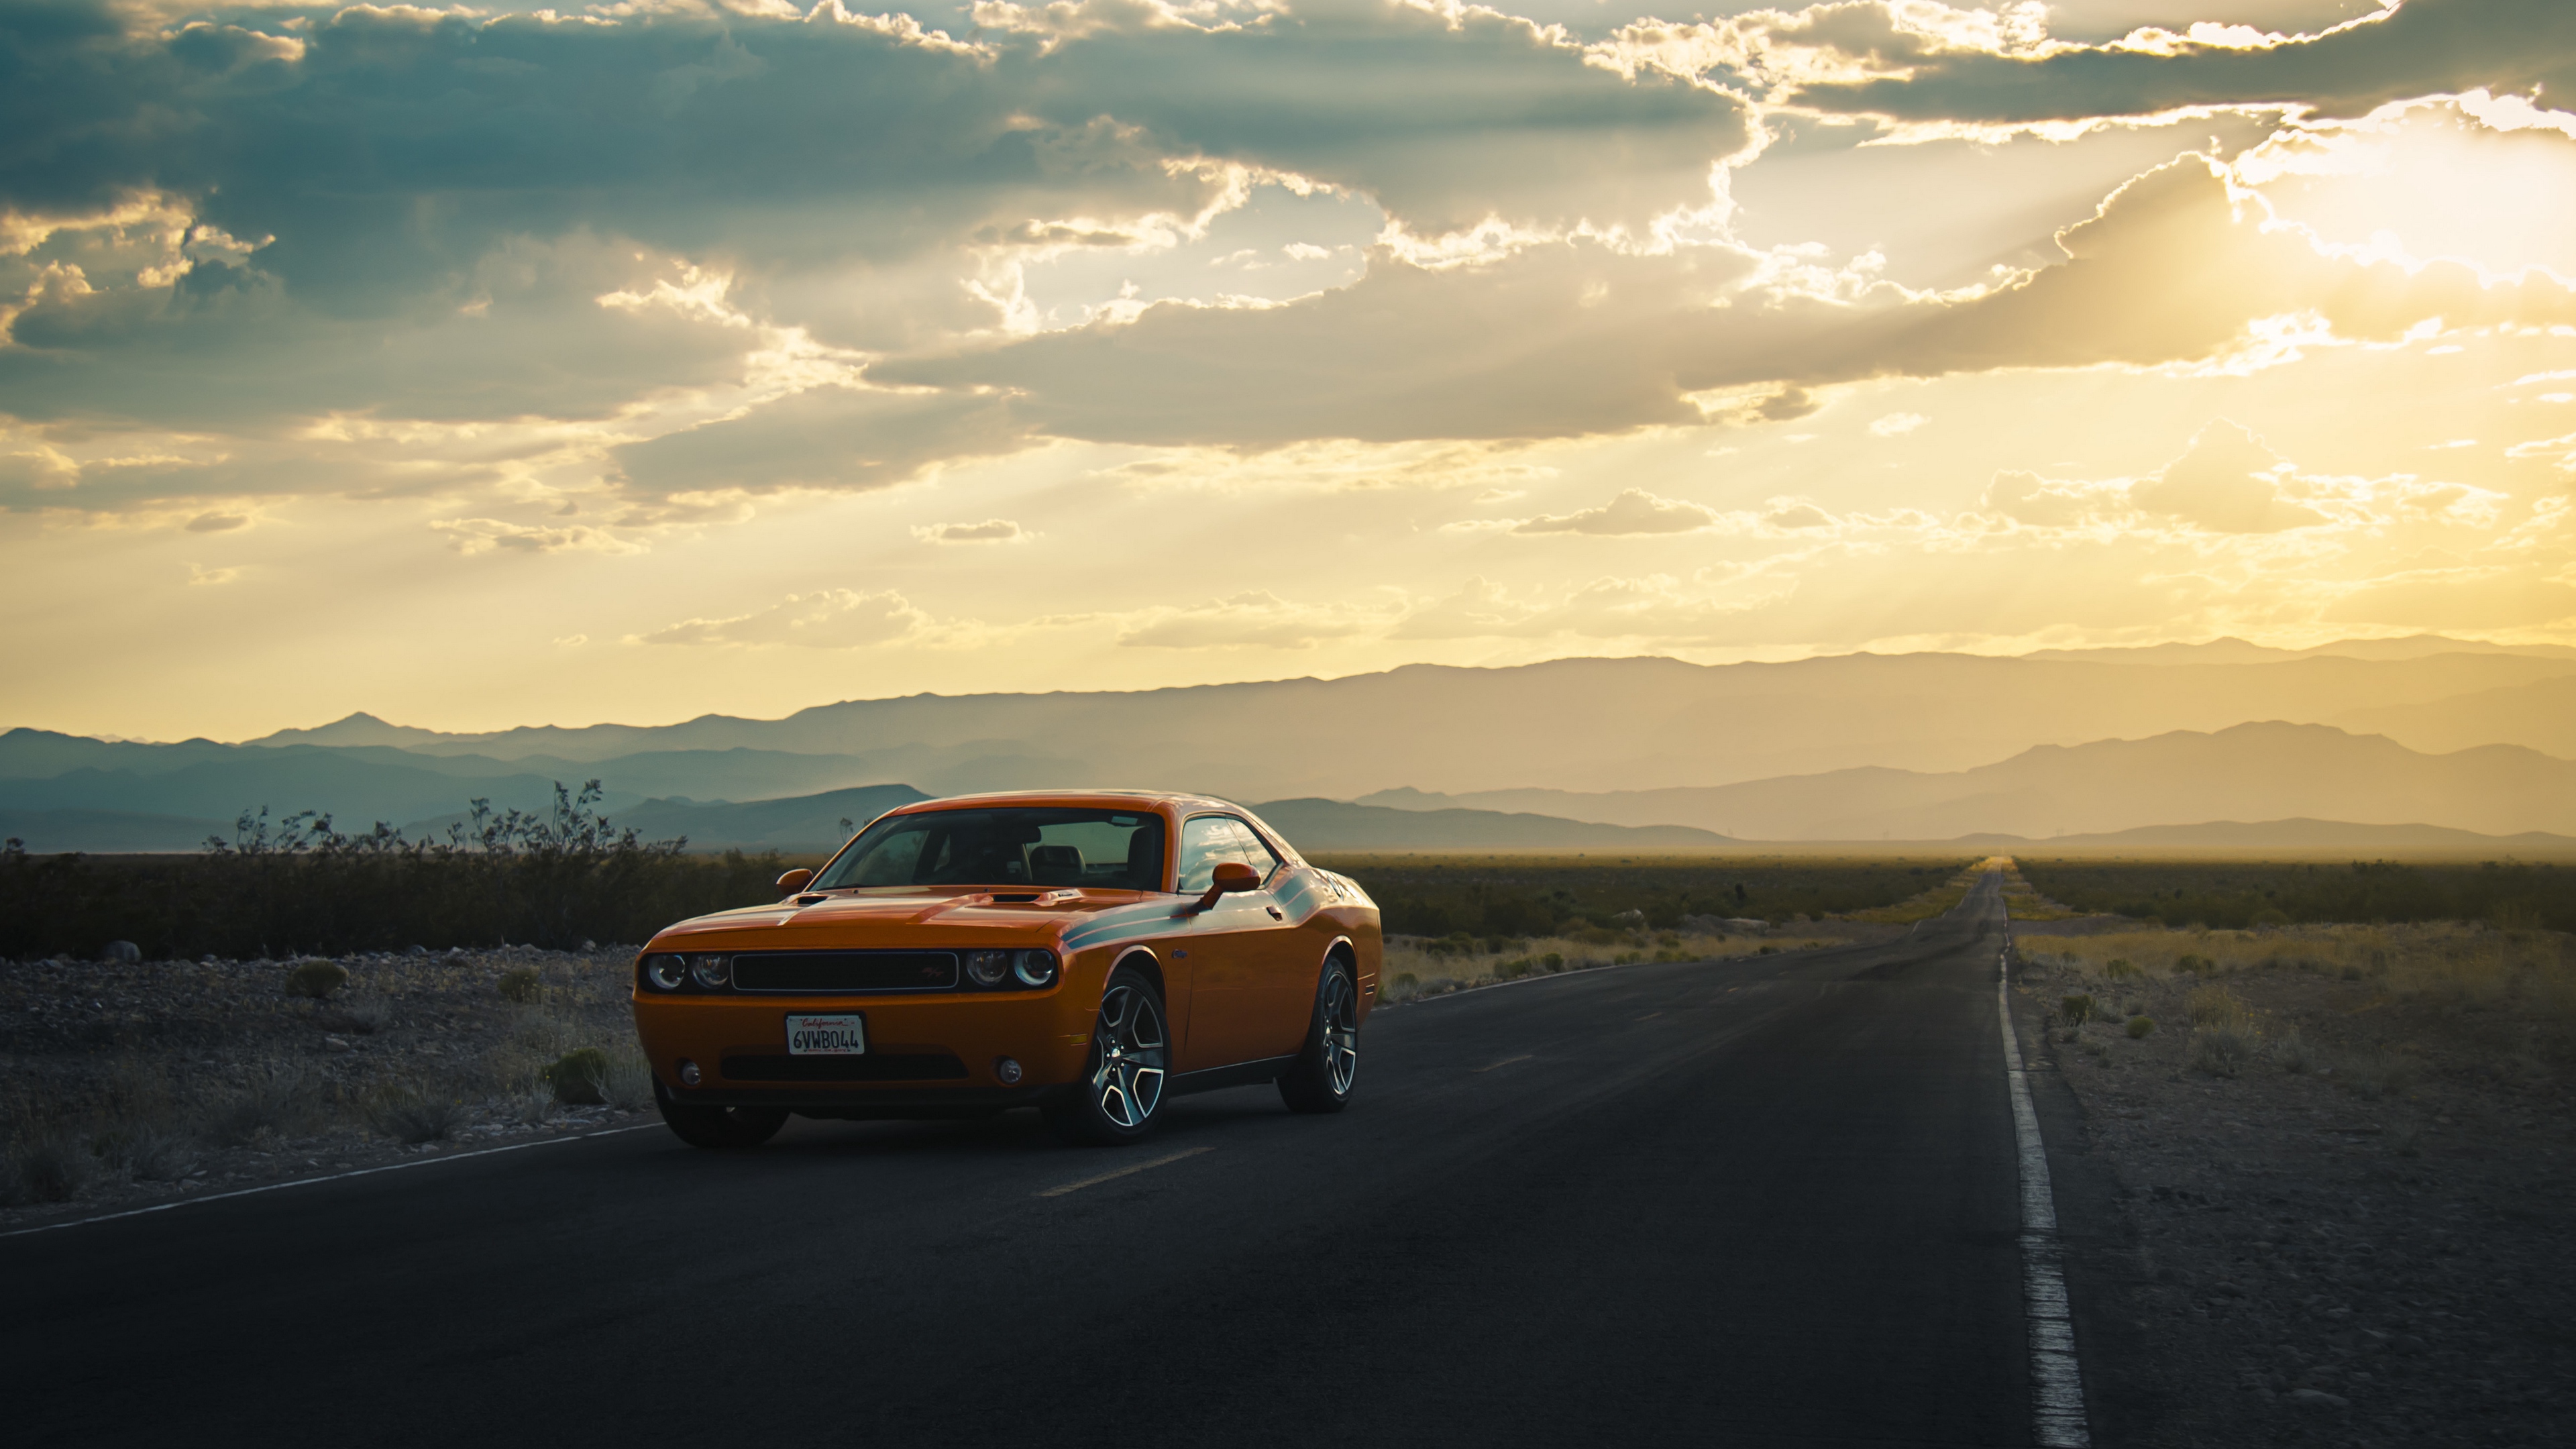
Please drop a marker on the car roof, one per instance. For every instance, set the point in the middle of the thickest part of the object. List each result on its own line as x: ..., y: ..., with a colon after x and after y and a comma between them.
x: 1179, y: 800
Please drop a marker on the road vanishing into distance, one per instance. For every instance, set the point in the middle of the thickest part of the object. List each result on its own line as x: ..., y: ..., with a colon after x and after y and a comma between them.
x: 1770, y: 1201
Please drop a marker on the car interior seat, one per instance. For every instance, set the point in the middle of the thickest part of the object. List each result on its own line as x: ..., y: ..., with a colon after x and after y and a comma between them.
x: 1055, y: 865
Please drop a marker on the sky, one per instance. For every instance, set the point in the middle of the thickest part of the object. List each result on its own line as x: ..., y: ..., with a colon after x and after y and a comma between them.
x: 479, y: 367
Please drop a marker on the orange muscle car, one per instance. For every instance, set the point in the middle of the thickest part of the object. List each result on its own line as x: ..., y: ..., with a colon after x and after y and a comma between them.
x: 1088, y: 953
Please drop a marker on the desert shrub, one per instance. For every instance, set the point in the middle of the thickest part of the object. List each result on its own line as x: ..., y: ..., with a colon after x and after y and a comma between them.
x: 522, y: 985
x: 2290, y: 1052
x: 2194, y: 965
x: 576, y: 1077
x: 275, y: 1104
x: 1405, y: 979
x: 1554, y: 961
x: 1531, y: 897
x: 2076, y: 1009
x: 1512, y: 970
x: 45, y: 1166
x: 2140, y: 1027
x: 2380, y: 1076
x: 2232, y: 894
x: 150, y: 1153
x: 299, y: 885
x: 2220, y: 1051
x: 414, y: 1115
x: 628, y: 1084
x: 2118, y: 967
x: 2215, y: 1006
x: 316, y: 979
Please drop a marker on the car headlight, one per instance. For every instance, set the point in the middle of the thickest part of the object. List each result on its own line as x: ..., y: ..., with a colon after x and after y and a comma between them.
x: 987, y: 968
x: 712, y: 971
x: 1035, y: 968
x: 665, y: 973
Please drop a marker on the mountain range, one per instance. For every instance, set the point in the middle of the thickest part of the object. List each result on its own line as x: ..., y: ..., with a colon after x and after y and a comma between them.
x: 2449, y: 735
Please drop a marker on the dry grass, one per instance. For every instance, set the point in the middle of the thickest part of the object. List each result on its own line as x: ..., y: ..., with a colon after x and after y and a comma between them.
x: 2445, y: 964
x: 124, y: 1081
x: 1413, y: 969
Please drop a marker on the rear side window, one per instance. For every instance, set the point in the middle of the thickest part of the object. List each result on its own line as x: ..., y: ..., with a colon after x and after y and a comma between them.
x: 1210, y: 839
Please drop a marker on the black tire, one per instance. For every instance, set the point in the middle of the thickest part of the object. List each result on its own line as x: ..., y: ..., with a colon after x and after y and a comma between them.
x: 719, y: 1129
x: 1329, y: 1064
x: 1119, y: 1096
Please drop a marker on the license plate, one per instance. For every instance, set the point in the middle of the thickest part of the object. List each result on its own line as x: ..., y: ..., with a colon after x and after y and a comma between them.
x: 826, y: 1036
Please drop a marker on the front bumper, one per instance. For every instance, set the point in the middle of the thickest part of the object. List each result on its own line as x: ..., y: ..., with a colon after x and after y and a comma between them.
x: 918, y: 1047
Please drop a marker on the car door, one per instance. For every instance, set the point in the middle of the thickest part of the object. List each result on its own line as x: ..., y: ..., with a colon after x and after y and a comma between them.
x: 1238, y: 949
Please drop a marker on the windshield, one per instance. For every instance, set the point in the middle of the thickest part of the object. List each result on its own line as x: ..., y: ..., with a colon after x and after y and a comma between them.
x: 1011, y: 846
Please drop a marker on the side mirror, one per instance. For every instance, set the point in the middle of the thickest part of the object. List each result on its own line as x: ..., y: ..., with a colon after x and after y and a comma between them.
x: 794, y: 881
x: 1231, y: 876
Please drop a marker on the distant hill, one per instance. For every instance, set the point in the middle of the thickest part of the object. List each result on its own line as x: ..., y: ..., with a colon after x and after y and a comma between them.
x: 1600, y: 729
x: 1316, y: 825
x: 51, y: 832
x: 804, y: 824
x: 2540, y: 715
x: 2259, y: 771
x: 2239, y: 651
x: 1574, y: 724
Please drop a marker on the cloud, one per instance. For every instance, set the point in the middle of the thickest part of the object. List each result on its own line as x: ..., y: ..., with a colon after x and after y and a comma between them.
x: 1897, y: 425
x: 1791, y: 515
x: 1633, y: 511
x: 217, y: 522
x: 991, y: 530
x: 2045, y: 503
x: 829, y: 437
x: 2228, y: 482
x: 1909, y: 61
x: 484, y: 535
x: 198, y: 576
x: 1575, y: 338
x: 1253, y: 619
x: 828, y: 619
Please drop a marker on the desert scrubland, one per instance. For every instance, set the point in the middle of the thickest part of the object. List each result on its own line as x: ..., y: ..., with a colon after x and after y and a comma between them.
x: 2339, y: 1153
x: 131, y: 1082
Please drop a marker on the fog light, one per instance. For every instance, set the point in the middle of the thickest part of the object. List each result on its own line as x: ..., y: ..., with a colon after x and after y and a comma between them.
x: 1008, y: 1070
x: 1036, y: 968
x: 987, y: 968
x: 713, y: 971
x: 665, y: 973
x: 689, y: 1074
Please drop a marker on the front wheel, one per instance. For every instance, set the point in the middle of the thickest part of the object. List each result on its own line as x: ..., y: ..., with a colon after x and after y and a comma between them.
x: 1321, y: 1079
x: 719, y: 1128
x: 1120, y: 1094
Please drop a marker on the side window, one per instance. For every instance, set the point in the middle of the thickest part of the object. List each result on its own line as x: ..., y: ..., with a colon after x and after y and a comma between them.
x: 1204, y: 842
x: 1249, y: 849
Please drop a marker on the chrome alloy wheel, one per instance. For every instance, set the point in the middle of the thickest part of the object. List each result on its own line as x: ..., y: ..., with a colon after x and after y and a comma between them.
x: 1128, y: 1083
x: 1341, y: 1033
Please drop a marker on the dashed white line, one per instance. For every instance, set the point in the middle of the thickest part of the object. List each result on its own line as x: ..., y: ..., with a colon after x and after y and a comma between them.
x: 1165, y: 1159
x: 2056, y: 1380
x: 163, y: 1207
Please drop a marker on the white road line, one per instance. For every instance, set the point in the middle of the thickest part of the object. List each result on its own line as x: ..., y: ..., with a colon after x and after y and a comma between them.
x: 2056, y: 1381
x: 163, y: 1207
x: 1169, y: 1157
x: 1505, y: 1062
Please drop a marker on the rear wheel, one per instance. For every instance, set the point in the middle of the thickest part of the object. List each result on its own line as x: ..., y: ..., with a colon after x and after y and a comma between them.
x: 1322, y: 1077
x: 719, y: 1128
x: 1120, y: 1094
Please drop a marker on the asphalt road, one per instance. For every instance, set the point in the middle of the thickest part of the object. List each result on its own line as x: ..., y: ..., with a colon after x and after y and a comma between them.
x: 1765, y: 1202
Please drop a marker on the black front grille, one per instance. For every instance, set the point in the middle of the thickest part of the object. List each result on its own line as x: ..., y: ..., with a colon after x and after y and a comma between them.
x: 812, y: 971
x: 872, y: 1067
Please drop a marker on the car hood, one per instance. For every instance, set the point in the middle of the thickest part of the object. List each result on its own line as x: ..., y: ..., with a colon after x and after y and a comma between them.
x: 958, y: 917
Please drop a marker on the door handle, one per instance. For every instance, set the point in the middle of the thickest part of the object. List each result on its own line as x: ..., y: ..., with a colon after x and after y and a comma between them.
x: 1276, y: 914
